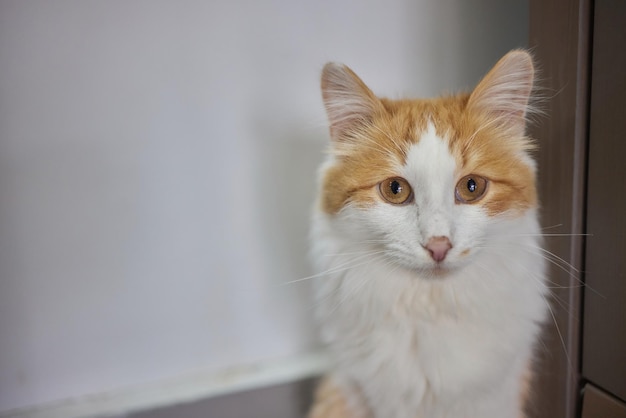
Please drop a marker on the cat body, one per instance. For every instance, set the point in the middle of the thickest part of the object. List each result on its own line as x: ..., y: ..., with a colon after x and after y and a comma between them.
x: 432, y: 289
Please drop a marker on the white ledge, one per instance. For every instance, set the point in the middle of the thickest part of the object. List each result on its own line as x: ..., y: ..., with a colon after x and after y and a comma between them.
x: 181, y: 389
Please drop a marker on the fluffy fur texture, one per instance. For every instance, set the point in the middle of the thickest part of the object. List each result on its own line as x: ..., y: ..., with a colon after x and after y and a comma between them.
x: 431, y: 307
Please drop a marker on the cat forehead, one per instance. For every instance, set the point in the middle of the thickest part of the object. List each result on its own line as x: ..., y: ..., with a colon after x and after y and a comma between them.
x: 431, y: 126
x: 431, y: 167
x: 429, y: 157
x: 430, y: 154
x: 462, y: 140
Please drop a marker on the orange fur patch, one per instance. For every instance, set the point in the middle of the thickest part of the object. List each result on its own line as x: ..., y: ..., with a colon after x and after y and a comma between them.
x: 525, y: 389
x: 376, y: 150
x: 330, y: 402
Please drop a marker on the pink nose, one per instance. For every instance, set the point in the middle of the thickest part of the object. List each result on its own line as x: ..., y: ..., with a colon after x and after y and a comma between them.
x: 438, y: 247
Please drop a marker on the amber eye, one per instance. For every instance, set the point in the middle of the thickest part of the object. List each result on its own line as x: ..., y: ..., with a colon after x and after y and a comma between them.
x: 470, y: 188
x: 396, y: 190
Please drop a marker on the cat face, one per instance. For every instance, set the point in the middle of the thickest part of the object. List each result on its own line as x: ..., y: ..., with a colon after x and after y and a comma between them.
x: 429, y: 180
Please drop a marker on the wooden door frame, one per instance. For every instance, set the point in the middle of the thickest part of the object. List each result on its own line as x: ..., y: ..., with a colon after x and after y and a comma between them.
x: 560, y: 39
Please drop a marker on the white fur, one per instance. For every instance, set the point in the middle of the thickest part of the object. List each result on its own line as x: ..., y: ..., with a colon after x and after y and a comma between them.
x: 409, y: 343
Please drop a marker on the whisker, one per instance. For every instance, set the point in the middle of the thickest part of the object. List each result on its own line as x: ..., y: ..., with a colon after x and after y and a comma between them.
x: 557, y: 261
x: 558, y: 286
x: 552, y: 235
x: 558, y: 330
x: 352, y: 253
x: 563, y: 304
x: 343, y: 266
x: 552, y: 226
x: 556, y: 257
x: 536, y: 282
x: 346, y: 296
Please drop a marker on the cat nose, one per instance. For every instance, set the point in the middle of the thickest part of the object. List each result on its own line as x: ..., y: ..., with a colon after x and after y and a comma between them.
x: 438, y: 247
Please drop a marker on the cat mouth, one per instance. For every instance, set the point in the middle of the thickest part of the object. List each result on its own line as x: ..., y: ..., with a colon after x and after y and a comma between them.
x: 434, y: 271
x: 429, y: 269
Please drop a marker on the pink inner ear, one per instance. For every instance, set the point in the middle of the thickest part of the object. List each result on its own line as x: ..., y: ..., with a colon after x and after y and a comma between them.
x: 505, y: 91
x: 348, y: 101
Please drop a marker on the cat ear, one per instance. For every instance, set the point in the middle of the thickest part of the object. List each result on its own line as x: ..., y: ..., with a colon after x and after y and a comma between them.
x: 349, y: 103
x: 505, y: 91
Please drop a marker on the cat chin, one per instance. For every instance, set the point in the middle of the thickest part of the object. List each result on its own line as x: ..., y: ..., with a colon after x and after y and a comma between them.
x: 439, y: 271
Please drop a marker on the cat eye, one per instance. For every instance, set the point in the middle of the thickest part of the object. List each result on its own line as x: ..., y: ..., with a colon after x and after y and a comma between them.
x: 396, y: 190
x: 470, y: 188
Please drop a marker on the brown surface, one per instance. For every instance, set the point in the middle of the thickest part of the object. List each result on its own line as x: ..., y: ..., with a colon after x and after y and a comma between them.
x: 597, y: 404
x: 289, y: 400
x: 604, y: 348
x: 559, y: 34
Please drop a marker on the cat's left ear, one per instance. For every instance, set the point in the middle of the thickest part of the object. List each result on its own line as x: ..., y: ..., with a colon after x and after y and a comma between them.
x: 349, y: 103
x: 505, y: 91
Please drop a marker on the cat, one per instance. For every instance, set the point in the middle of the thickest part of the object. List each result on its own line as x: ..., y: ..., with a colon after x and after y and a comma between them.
x: 431, y: 288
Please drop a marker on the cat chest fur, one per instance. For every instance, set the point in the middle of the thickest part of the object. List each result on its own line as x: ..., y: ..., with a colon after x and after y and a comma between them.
x: 409, y: 348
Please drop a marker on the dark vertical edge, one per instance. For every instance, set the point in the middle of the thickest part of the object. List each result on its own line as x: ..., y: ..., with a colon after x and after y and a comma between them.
x: 581, y: 167
x: 560, y: 40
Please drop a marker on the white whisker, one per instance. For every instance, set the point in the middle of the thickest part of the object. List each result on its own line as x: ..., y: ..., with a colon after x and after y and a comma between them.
x: 537, y: 282
x: 552, y: 235
x: 346, y: 296
x: 552, y: 226
x: 343, y: 266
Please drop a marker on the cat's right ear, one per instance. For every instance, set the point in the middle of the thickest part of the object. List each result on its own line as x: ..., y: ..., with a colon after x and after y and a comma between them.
x: 505, y: 91
x: 349, y: 103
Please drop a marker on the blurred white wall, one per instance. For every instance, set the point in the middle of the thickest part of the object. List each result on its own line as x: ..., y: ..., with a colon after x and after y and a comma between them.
x: 157, y: 167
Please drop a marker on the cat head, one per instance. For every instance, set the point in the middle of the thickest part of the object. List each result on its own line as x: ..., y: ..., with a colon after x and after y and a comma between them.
x: 427, y: 179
